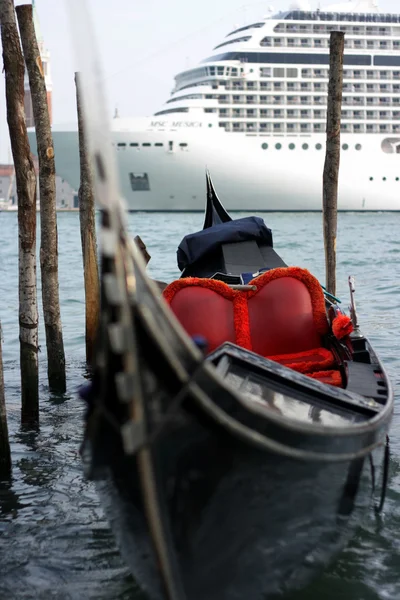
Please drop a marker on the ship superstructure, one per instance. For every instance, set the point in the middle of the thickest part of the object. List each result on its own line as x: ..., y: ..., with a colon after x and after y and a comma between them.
x: 254, y: 112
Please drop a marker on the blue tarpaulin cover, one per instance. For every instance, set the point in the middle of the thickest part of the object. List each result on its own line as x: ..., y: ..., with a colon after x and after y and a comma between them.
x: 197, y: 245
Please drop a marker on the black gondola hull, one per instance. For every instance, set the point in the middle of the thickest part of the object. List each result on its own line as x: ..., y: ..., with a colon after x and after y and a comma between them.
x: 252, y: 502
x: 245, y: 523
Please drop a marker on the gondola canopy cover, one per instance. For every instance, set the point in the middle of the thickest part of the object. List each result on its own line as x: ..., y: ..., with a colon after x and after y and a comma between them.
x: 196, y: 246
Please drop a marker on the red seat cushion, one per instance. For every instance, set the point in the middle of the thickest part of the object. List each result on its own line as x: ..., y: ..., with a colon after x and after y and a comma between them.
x: 281, y: 318
x: 204, y: 312
x: 284, y: 318
x: 285, y: 313
x: 317, y: 359
x: 332, y: 377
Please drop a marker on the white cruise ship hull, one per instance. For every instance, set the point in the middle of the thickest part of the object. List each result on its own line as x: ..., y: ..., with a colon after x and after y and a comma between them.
x: 246, y: 176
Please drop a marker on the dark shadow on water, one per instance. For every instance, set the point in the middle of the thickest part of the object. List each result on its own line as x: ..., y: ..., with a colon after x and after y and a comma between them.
x: 9, y: 501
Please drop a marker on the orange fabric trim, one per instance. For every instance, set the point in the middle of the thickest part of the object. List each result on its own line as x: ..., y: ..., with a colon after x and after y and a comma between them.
x: 242, y: 321
x: 211, y: 284
x: 328, y: 377
x: 342, y: 326
x: 312, y: 284
x: 308, y: 361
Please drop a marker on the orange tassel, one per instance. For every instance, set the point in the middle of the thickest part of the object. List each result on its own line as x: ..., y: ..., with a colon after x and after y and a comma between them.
x: 341, y: 326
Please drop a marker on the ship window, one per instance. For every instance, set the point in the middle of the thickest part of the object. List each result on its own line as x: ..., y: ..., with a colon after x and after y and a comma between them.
x: 159, y: 144
x: 383, y: 178
x: 246, y: 27
x: 172, y: 110
x: 371, y: 178
x: 183, y: 145
x: 358, y: 146
x: 387, y: 61
x: 300, y: 59
x: 264, y: 146
x: 279, y: 72
x: 139, y: 182
x: 305, y: 146
x: 236, y: 40
x: 146, y: 144
x: 278, y: 146
x: 397, y: 179
x: 345, y: 146
x: 134, y: 144
x: 318, y: 146
x: 292, y: 146
x: 121, y: 144
x: 291, y: 72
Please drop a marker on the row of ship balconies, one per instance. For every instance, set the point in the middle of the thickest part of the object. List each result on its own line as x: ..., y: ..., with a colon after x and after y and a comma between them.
x: 291, y: 73
x: 271, y: 113
x: 324, y: 29
x: 290, y: 127
x: 318, y: 42
x: 250, y: 78
x: 308, y: 86
x: 306, y: 100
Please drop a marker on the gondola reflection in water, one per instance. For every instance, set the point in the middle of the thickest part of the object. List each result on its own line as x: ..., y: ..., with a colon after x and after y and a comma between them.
x: 237, y: 422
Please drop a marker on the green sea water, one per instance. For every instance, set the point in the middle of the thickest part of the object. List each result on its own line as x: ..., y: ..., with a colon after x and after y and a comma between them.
x: 54, y: 540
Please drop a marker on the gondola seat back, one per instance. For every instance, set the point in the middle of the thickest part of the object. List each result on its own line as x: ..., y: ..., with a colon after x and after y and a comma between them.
x: 283, y: 318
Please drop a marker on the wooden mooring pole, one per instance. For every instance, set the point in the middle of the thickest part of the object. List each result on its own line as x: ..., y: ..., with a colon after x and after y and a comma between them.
x: 25, y: 175
x: 332, y: 156
x: 5, y: 454
x: 48, y: 214
x: 88, y: 236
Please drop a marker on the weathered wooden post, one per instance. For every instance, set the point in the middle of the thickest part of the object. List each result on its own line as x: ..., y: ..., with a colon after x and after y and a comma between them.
x: 332, y: 156
x: 88, y: 236
x: 26, y: 190
x: 48, y: 215
x: 5, y: 454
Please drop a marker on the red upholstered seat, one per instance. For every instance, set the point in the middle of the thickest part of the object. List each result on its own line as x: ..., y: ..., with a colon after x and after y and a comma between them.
x: 204, y: 312
x: 283, y: 319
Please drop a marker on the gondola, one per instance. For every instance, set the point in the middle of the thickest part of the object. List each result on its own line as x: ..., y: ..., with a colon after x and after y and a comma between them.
x: 237, y: 422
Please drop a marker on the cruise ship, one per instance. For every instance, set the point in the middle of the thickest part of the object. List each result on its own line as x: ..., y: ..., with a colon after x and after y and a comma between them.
x: 254, y: 113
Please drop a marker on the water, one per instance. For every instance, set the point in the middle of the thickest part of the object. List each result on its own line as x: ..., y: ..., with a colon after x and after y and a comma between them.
x: 54, y: 540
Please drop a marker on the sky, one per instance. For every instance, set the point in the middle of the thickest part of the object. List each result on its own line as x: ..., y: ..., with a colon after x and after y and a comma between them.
x: 143, y: 45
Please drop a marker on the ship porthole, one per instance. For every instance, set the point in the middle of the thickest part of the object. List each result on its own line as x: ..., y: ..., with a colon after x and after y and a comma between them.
x: 278, y: 146
x: 318, y: 146
x: 345, y: 147
x: 264, y: 146
x: 292, y: 146
x: 384, y: 178
x: 397, y: 178
x: 305, y: 146
x: 371, y: 178
x: 358, y: 146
